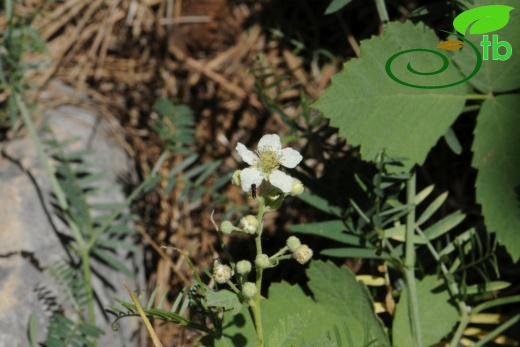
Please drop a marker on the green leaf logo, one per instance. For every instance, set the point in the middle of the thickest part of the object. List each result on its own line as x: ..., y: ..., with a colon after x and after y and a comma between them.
x: 483, y: 19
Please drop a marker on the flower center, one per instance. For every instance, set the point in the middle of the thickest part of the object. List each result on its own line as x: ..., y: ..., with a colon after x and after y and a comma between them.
x: 268, y: 162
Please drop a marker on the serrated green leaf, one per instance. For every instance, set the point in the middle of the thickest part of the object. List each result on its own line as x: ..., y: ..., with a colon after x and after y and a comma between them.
x: 432, y: 208
x: 437, y: 315
x: 496, y: 151
x: 372, y: 110
x: 494, y: 76
x: 353, y: 308
x: 337, y: 289
x: 289, y: 331
x: 223, y: 298
x: 321, y: 342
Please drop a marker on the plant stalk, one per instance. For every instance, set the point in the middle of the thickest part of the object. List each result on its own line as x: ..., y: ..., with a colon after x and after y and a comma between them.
x: 381, y: 11
x: 409, y: 263
x: 255, y: 306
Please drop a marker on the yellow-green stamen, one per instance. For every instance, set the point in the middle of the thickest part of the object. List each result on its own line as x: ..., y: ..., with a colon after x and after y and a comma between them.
x: 268, y: 162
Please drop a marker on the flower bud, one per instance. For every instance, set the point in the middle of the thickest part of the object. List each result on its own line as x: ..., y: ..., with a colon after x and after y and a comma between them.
x: 293, y: 243
x: 243, y: 267
x: 262, y: 261
x: 222, y: 273
x: 303, y: 254
x: 297, y: 187
x: 249, y: 224
x: 235, y: 179
x: 226, y: 227
x: 249, y: 290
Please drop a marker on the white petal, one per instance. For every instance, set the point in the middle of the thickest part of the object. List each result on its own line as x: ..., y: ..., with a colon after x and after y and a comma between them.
x: 270, y: 141
x: 247, y: 155
x: 250, y: 176
x: 290, y: 158
x: 281, y: 180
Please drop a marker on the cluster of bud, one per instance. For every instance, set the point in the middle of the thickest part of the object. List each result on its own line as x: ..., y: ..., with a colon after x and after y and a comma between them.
x: 222, y: 273
x: 262, y: 261
x: 249, y: 224
x: 243, y: 267
x: 302, y: 253
x: 249, y: 290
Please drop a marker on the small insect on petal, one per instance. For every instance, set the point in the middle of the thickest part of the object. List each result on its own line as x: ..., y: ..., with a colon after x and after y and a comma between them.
x: 451, y: 45
x: 253, y: 190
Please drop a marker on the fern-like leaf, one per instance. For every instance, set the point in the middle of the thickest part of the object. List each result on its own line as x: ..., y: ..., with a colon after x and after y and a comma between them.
x: 65, y: 332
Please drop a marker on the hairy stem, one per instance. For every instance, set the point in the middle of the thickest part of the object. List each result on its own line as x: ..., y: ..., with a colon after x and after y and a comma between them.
x: 255, y: 305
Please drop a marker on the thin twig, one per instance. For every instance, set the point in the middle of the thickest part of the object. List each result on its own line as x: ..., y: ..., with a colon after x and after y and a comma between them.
x: 163, y: 255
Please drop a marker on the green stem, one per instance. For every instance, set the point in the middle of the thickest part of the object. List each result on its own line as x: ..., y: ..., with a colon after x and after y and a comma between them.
x: 85, y: 263
x: 479, y: 96
x: 39, y: 149
x: 279, y: 253
x: 381, y: 11
x: 255, y: 305
x: 452, y: 287
x: 409, y: 263
x: 232, y: 286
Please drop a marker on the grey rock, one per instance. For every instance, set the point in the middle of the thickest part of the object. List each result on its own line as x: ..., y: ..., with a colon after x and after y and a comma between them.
x: 30, y: 229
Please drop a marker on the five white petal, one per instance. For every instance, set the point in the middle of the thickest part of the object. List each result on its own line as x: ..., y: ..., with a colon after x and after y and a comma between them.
x: 288, y: 157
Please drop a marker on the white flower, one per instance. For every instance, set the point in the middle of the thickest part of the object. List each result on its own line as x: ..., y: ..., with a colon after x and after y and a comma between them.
x: 265, y: 163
